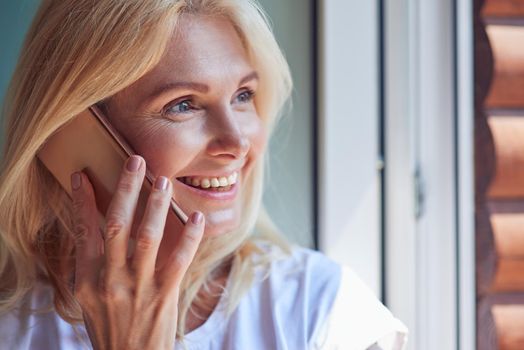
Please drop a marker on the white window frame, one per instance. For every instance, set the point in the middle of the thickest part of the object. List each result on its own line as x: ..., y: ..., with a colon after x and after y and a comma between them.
x: 349, y: 97
x: 430, y: 241
x: 430, y: 264
x: 466, y: 177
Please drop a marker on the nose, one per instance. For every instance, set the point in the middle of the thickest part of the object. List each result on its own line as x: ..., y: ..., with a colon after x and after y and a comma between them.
x: 228, y: 137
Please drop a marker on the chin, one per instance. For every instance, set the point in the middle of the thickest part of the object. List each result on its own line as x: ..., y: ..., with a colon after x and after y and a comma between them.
x: 215, y: 228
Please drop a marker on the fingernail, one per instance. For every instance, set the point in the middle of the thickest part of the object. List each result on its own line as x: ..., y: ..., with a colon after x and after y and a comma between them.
x: 133, y: 163
x: 196, y: 218
x: 76, y: 181
x: 161, y: 183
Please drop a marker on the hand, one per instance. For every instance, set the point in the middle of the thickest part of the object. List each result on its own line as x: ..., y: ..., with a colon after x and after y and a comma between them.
x: 128, y: 303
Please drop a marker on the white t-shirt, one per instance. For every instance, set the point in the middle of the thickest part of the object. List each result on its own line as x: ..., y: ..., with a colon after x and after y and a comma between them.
x: 307, y: 301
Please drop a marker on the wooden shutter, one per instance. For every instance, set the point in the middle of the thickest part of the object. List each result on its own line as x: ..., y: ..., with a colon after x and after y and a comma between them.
x: 499, y: 173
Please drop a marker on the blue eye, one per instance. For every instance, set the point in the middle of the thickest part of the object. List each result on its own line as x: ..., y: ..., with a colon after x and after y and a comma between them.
x: 245, y: 96
x: 180, y: 107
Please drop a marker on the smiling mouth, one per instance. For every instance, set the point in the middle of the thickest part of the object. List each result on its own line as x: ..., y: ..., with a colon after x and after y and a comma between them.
x: 211, y: 184
x: 209, y: 189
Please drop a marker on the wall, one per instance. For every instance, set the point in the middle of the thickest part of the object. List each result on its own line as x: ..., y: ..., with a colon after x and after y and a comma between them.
x: 289, y: 195
x: 15, y: 17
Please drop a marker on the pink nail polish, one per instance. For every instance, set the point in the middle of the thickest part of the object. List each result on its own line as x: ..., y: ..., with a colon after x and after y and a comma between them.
x: 76, y: 181
x: 133, y: 164
x: 161, y: 183
x: 196, y: 218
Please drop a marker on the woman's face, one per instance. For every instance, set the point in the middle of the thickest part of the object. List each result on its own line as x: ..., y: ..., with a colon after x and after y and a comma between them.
x: 193, y: 119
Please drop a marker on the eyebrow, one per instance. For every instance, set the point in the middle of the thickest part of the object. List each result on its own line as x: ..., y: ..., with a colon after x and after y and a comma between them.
x: 203, y: 88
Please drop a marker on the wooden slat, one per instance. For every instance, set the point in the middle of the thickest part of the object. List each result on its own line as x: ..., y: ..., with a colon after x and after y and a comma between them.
x: 503, y: 8
x: 508, y: 276
x: 508, y: 138
x: 508, y: 229
x: 500, y: 322
x: 509, y: 323
x: 507, y: 88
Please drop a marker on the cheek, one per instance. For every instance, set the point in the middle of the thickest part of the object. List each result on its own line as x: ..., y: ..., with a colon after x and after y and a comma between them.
x: 165, y: 148
x: 168, y: 148
x: 257, y: 133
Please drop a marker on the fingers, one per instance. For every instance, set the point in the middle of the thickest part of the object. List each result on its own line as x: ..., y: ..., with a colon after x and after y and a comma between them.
x: 178, y: 262
x: 88, y: 242
x: 91, y: 250
x: 151, y: 229
x: 121, y: 211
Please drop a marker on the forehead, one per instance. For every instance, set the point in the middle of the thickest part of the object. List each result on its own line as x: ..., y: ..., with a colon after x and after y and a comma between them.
x: 202, y: 48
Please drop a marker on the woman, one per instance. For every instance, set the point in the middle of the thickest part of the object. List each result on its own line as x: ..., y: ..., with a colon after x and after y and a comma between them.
x: 196, y: 87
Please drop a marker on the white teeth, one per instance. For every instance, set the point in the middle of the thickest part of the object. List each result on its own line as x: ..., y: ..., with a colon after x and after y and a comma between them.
x: 223, y: 181
x: 205, y: 183
x: 213, y: 182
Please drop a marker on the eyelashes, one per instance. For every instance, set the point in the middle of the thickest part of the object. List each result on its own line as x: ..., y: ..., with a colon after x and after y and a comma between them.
x: 248, y: 94
x: 186, y: 105
x: 183, y: 107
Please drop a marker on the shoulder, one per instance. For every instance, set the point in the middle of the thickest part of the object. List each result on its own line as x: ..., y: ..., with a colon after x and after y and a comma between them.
x: 313, y: 271
x: 330, y: 302
x: 358, y: 320
x: 305, y: 275
x: 295, y: 294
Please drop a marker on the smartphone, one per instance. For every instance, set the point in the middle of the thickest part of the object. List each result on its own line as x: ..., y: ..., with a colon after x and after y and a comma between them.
x: 90, y: 144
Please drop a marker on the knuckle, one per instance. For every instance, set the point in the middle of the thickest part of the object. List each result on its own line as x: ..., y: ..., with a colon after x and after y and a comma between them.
x: 182, y: 259
x: 78, y: 204
x: 192, y: 239
x: 114, y: 226
x: 146, y: 239
x: 157, y: 201
x: 107, y: 292
x: 126, y: 185
x: 112, y: 292
x: 80, y: 233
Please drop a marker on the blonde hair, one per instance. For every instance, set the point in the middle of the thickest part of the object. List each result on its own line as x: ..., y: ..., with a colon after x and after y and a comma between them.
x: 78, y: 53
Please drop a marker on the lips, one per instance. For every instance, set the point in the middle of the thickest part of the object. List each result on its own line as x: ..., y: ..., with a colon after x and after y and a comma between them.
x: 210, y: 182
x: 221, y: 193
